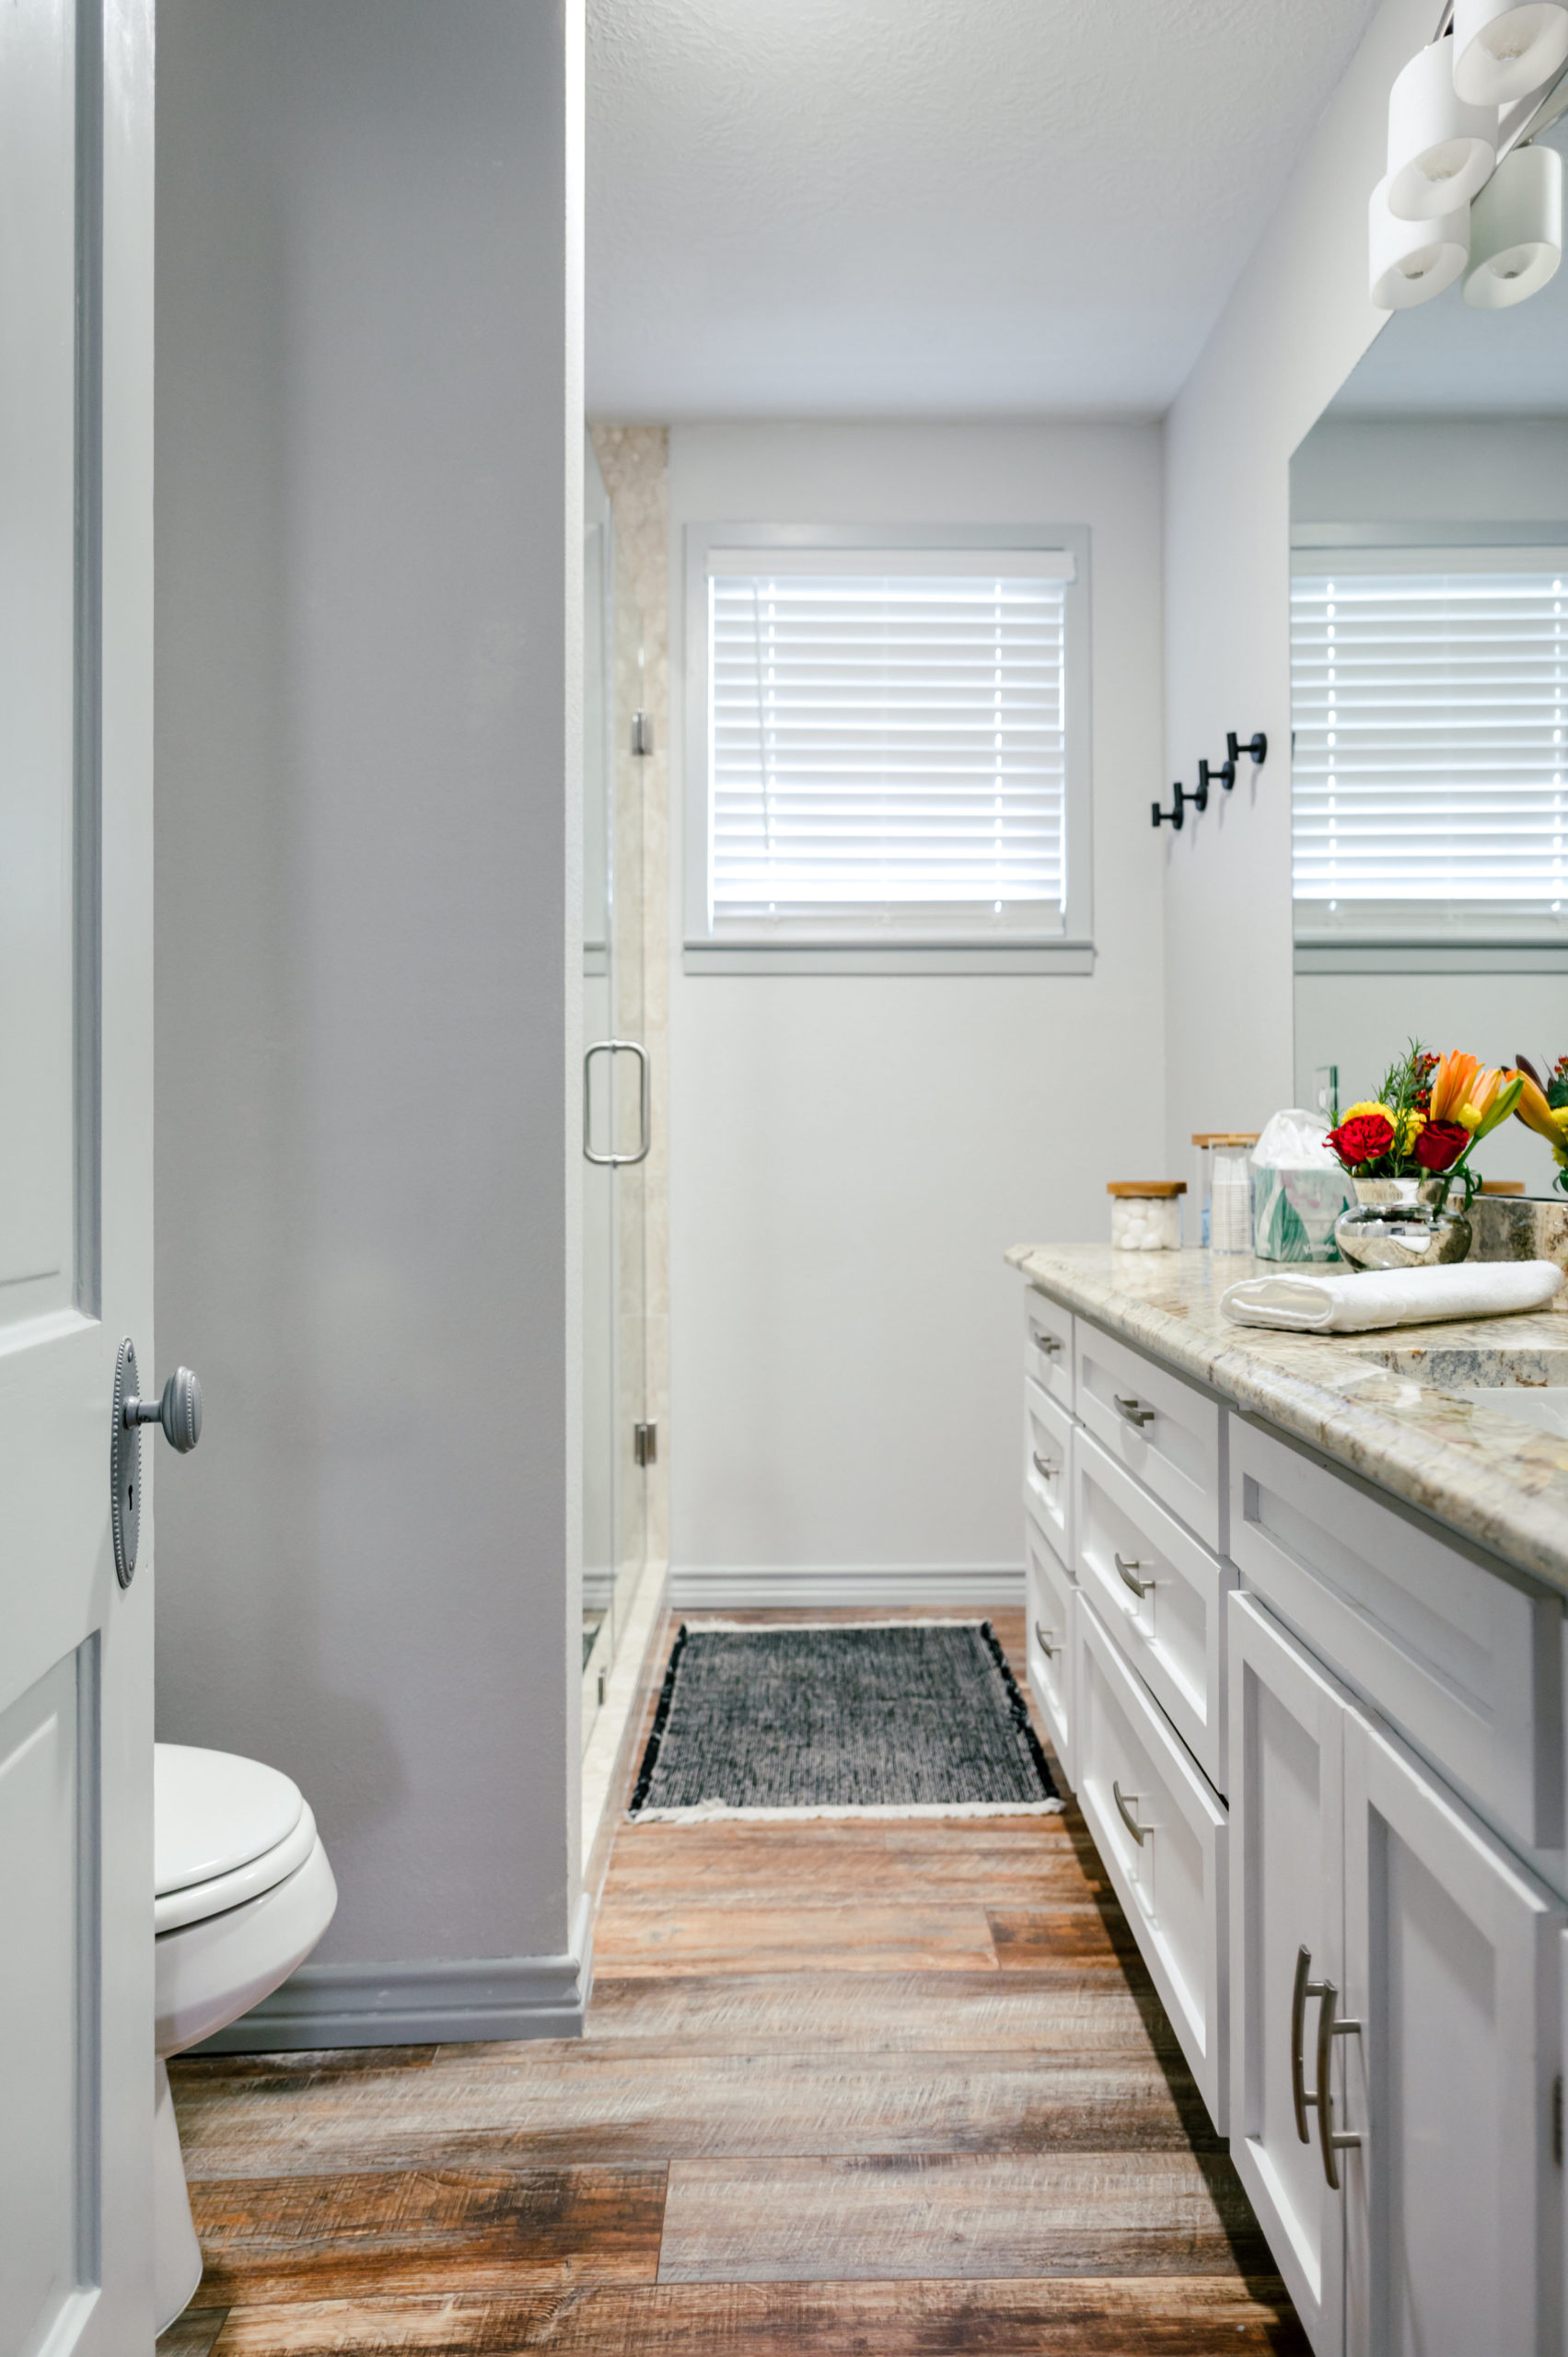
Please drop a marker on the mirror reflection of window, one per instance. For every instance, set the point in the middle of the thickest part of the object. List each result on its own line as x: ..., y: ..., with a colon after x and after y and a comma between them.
x: 1429, y: 578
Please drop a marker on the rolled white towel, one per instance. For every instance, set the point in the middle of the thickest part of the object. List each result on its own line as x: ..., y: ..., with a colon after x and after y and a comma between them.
x: 1352, y: 1304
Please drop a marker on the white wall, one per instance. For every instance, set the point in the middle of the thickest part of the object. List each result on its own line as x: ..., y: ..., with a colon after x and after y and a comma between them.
x: 852, y: 1156
x: 369, y: 905
x: 1296, y: 323
x: 1432, y: 470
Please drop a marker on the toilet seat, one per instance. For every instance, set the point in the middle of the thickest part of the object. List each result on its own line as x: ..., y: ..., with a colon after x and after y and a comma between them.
x: 193, y: 1902
x: 214, y: 1813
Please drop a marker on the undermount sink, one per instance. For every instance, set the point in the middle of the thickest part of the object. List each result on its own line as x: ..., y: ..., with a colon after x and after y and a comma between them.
x: 1543, y: 1405
x: 1528, y: 1382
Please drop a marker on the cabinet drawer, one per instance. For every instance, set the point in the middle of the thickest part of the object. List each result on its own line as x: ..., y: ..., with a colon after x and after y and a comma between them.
x: 1172, y: 1882
x: 1048, y: 1596
x: 1464, y: 1662
x: 1160, y: 1593
x: 1048, y: 1465
x: 1048, y: 1346
x: 1161, y: 1428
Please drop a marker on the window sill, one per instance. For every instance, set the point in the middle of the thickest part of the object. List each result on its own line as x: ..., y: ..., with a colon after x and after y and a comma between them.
x: 1395, y: 957
x: 906, y: 957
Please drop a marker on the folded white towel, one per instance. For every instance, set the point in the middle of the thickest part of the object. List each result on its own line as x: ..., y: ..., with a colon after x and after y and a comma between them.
x: 1350, y: 1304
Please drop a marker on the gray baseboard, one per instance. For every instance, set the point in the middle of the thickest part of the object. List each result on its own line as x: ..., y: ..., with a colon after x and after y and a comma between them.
x: 458, y: 2001
x: 758, y: 1586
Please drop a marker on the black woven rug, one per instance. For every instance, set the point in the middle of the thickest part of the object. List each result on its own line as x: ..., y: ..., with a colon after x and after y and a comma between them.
x: 906, y: 1718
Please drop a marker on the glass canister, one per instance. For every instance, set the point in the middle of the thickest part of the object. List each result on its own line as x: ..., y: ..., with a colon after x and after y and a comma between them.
x: 1226, y: 1186
x: 1145, y: 1214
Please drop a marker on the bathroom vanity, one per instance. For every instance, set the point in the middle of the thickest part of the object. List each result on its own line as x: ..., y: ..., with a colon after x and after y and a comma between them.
x: 1296, y: 1624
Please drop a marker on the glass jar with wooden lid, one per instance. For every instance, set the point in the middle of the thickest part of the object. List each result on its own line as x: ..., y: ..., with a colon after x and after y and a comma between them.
x: 1146, y: 1214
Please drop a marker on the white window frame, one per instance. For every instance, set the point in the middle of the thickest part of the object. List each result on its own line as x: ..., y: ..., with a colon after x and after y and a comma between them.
x: 1436, y: 937
x: 1063, y: 942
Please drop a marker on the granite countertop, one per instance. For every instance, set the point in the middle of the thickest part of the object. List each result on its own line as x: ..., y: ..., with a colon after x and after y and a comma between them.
x: 1376, y: 1402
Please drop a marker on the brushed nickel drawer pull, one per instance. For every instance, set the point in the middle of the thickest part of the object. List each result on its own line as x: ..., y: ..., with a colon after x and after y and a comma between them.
x: 1049, y: 1343
x: 1329, y: 2028
x: 1043, y: 1642
x: 1125, y: 1803
x: 1044, y: 1467
x: 1130, y: 1575
x: 1303, y: 1990
x: 1133, y: 1411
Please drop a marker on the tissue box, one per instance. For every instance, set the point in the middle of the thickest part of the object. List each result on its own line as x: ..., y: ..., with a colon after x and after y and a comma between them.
x: 1294, y: 1212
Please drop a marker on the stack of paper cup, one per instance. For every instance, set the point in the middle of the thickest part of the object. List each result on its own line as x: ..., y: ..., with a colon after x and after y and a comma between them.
x: 1230, y: 1201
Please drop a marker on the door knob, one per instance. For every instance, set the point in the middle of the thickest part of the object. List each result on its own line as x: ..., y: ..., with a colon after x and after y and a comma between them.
x: 179, y: 1411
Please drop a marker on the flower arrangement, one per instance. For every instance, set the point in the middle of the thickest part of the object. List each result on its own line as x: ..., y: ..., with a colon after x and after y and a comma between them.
x: 1543, y: 1107
x: 1428, y: 1118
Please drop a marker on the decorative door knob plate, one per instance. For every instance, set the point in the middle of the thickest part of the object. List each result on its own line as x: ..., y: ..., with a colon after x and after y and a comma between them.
x: 179, y: 1411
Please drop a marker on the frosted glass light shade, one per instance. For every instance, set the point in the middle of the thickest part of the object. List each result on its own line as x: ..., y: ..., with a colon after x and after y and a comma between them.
x: 1440, y: 148
x: 1503, y: 51
x: 1515, y: 229
x: 1412, y: 260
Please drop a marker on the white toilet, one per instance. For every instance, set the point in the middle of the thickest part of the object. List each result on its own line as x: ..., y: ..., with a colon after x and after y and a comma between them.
x: 243, y: 1892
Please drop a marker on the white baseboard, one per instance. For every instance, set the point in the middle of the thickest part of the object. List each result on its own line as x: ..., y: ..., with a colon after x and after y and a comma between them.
x: 420, y: 2004
x: 758, y: 1586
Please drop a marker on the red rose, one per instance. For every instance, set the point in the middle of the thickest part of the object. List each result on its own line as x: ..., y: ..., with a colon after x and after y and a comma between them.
x: 1367, y: 1138
x: 1441, y: 1144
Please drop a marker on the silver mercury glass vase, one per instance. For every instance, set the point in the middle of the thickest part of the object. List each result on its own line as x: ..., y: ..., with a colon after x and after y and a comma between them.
x: 1401, y: 1224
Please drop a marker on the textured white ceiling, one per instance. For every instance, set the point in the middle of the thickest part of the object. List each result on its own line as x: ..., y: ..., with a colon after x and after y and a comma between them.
x: 888, y: 207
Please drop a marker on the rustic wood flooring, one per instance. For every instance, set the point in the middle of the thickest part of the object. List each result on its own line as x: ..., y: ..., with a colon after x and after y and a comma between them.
x: 873, y: 2089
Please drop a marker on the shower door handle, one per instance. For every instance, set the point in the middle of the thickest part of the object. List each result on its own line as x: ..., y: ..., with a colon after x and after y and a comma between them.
x: 644, y: 1102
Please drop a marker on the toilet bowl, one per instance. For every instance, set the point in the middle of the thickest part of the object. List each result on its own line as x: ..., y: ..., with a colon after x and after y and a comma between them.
x: 243, y: 1892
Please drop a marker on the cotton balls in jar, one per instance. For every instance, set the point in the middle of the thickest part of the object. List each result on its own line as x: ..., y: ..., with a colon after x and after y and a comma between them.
x: 1147, y: 1217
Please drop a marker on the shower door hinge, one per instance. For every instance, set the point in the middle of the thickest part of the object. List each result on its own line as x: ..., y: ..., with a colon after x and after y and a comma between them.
x: 644, y: 1444
x: 642, y: 733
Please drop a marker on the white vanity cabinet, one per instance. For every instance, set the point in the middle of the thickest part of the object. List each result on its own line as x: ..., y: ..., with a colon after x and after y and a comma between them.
x: 1051, y: 1437
x: 1322, y: 1754
x: 1396, y: 2038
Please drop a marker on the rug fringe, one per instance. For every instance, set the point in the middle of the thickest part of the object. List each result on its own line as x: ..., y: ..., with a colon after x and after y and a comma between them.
x: 711, y: 1812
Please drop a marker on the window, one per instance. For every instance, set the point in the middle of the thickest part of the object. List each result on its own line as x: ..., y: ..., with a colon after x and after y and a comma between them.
x: 1427, y: 688
x: 887, y: 751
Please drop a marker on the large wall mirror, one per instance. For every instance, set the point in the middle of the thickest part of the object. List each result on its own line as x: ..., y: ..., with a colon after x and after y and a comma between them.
x: 1429, y: 642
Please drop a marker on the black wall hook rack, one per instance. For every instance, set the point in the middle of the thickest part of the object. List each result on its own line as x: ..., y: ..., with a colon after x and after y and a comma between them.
x: 1225, y: 773
x: 1199, y: 798
x: 1256, y: 748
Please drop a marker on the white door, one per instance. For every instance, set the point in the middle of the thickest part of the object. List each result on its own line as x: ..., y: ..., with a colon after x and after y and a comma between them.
x: 1453, y: 2195
x: 76, y: 1170
x: 1286, y: 1776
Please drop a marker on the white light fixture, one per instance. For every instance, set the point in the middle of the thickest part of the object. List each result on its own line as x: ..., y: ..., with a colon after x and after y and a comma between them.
x: 1515, y: 229
x: 1504, y: 51
x: 1440, y: 148
x: 1413, y: 260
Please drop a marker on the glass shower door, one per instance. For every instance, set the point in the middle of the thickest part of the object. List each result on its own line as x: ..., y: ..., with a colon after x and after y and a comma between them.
x: 616, y: 1099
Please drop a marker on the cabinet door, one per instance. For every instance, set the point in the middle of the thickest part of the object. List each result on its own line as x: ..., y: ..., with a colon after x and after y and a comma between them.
x: 1286, y: 1732
x: 1453, y: 2194
x: 1048, y: 1589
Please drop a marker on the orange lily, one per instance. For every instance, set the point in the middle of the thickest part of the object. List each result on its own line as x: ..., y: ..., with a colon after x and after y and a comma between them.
x: 1490, y: 1098
x: 1451, y: 1086
x: 1532, y: 1109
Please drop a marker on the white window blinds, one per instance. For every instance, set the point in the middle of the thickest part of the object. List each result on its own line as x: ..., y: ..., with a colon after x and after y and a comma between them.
x: 1428, y: 711
x: 887, y: 738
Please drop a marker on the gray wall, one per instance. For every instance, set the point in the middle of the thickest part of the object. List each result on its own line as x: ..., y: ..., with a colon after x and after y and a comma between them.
x: 369, y: 545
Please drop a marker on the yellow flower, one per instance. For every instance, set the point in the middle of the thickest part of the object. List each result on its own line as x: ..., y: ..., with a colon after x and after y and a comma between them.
x: 1370, y: 1105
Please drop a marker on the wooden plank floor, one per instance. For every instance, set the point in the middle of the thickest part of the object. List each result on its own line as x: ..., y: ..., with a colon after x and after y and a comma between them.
x: 874, y: 2089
